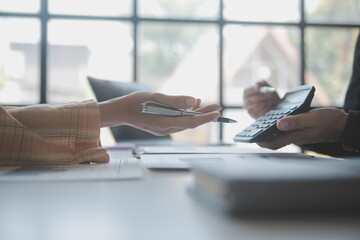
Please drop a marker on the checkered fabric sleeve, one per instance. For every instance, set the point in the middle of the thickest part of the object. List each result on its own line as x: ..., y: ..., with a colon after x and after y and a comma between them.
x: 51, y: 134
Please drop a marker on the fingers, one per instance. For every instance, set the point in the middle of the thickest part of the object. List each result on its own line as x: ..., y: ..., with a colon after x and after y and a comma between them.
x: 295, y: 122
x: 209, y: 108
x: 282, y: 140
x: 254, y: 89
x: 257, y: 103
x: 299, y: 125
x: 166, y: 125
x: 197, y: 105
x: 182, y: 102
x: 194, y: 121
x: 163, y: 125
x: 256, y: 99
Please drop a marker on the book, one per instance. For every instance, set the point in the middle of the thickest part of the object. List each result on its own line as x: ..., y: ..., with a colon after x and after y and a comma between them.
x: 274, y: 186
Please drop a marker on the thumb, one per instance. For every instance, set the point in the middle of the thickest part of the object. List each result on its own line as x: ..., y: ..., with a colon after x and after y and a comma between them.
x: 261, y: 83
x: 294, y: 122
x: 258, y: 85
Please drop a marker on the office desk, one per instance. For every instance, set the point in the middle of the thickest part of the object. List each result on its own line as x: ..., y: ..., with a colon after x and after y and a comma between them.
x: 155, y: 207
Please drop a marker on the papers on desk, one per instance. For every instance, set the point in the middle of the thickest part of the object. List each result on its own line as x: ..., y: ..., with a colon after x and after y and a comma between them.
x: 193, y: 149
x: 185, y: 161
x: 116, y: 169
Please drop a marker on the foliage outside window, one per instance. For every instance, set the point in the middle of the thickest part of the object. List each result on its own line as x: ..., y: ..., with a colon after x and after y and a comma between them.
x: 177, y: 47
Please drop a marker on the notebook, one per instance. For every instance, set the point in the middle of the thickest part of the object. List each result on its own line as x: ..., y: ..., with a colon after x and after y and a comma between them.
x: 279, y: 186
x: 186, y: 161
x: 116, y: 169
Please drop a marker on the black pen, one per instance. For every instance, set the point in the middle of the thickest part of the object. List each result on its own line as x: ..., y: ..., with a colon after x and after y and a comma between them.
x: 219, y: 119
x: 225, y: 120
x: 152, y: 107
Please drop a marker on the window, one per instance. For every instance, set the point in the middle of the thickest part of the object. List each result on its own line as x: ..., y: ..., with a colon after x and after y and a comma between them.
x: 211, y: 49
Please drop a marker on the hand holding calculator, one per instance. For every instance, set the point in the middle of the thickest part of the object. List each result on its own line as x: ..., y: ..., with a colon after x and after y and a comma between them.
x: 295, y: 101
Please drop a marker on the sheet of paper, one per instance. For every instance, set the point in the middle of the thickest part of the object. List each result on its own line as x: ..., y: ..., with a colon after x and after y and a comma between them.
x: 195, y: 149
x: 121, y: 146
x: 185, y: 161
x: 116, y: 169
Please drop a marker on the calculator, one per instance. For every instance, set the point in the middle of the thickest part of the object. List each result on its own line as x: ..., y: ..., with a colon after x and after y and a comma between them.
x: 295, y: 101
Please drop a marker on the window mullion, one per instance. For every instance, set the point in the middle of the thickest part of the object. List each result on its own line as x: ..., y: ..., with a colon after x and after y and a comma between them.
x: 44, y: 18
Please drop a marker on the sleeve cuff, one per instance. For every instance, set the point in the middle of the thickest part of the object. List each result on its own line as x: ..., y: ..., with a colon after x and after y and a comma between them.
x: 352, y: 132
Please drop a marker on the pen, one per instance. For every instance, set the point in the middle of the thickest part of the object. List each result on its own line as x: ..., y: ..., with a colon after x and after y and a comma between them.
x: 267, y: 89
x: 151, y: 107
x: 219, y: 119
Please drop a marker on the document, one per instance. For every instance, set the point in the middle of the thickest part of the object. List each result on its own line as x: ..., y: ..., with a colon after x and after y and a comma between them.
x: 185, y: 161
x: 195, y: 149
x: 116, y: 169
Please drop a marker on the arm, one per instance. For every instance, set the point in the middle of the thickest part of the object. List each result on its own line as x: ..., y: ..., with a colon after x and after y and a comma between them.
x: 51, y: 134
x: 57, y: 134
x: 352, y: 101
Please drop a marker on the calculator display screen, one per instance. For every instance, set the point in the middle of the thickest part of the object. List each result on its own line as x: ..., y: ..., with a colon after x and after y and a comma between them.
x: 295, y: 97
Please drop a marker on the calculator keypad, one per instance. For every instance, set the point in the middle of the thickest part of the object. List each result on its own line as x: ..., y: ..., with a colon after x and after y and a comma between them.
x: 295, y: 101
x: 264, y: 122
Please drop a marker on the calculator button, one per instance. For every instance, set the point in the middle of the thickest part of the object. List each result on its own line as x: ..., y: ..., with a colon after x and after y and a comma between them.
x: 272, y: 122
x: 293, y: 108
x: 253, y: 133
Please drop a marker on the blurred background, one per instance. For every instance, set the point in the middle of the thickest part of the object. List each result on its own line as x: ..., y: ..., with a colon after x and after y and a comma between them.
x: 210, y: 49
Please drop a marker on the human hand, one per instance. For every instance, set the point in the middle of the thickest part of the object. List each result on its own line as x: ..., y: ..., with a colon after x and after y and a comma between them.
x: 318, y: 125
x: 127, y: 111
x: 257, y: 103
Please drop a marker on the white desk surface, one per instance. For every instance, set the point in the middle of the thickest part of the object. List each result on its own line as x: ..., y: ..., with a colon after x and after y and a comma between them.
x: 155, y: 207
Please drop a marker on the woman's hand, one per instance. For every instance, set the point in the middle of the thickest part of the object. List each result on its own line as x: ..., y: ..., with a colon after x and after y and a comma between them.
x: 126, y: 110
x: 257, y: 103
x: 319, y: 125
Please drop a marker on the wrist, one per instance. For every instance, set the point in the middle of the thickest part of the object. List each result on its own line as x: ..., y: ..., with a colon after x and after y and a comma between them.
x: 352, y: 132
x: 112, y: 112
x: 342, y: 124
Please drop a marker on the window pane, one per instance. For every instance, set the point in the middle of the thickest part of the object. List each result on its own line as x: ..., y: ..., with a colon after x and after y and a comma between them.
x: 90, y: 7
x: 333, y: 11
x: 329, y: 63
x: 180, y: 59
x: 259, y: 53
x: 24, y: 6
x: 81, y: 48
x: 179, y: 8
x: 19, y: 61
x: 262, y: 10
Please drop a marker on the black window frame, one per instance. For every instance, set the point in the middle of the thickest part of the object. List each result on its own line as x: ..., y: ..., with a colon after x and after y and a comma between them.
x: 44, y: 17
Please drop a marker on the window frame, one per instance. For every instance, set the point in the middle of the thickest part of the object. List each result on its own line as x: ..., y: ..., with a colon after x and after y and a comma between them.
x: 134, y: 19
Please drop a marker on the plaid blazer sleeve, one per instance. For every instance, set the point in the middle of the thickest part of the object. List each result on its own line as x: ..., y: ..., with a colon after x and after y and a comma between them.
x: 51, y: 134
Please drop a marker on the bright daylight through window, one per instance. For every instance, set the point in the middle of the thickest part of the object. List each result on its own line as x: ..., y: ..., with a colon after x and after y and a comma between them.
x: 211, y: 49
